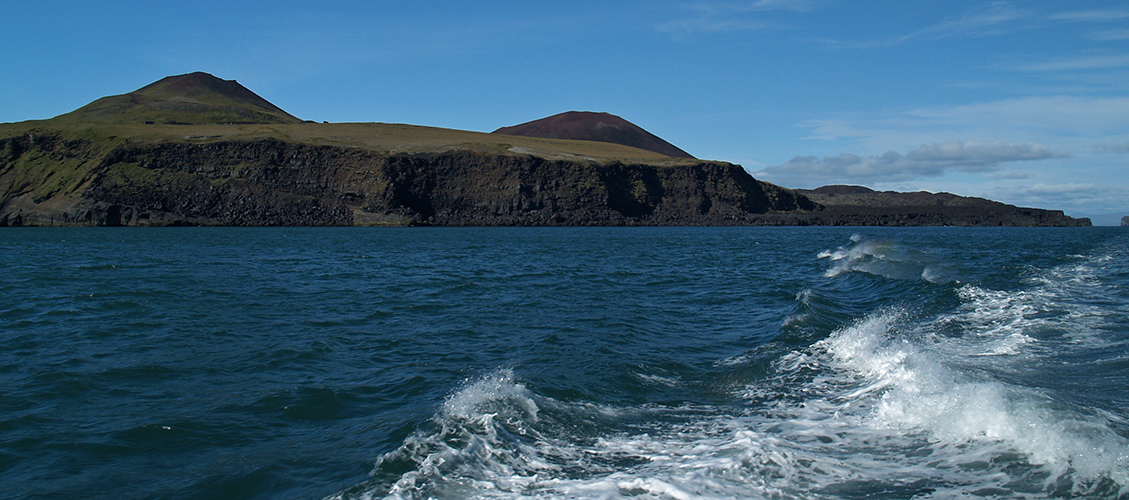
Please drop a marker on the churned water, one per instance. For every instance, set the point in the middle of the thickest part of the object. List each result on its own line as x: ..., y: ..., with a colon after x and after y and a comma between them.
x: 676, y: 363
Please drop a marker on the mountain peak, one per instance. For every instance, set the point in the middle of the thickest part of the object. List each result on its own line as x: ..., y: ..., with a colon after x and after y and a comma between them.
x: 594, y: 126
x: 193, y: 98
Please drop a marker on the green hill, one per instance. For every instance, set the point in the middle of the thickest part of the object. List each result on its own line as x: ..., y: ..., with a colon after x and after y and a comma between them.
x: 194, y: 98
x: 198, y: 150
x: 600, y: 127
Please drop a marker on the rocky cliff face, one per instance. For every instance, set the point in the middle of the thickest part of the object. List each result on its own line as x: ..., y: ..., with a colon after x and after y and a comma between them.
x: 860, y: 206
x: 273, y: 182
x: 49, y: 179
x: 128, y: 160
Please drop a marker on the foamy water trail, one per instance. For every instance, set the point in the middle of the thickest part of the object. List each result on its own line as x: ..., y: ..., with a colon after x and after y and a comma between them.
x: 905, y: 385
x: 899, y: 403
x: 866, y: 410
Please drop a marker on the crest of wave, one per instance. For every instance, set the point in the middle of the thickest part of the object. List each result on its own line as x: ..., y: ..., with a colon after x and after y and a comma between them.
x: 884, y: 391
x: 882, y: 258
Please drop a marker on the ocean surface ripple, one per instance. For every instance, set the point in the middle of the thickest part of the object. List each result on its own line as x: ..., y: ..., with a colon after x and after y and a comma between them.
x: 649, y: 363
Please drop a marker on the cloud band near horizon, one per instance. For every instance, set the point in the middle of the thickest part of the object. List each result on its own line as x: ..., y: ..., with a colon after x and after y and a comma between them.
x: 929, y: 160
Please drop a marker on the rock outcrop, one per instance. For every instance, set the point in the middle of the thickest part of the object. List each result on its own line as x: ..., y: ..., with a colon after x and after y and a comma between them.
x: 197, y: 150
x: 274, y: 182
x: 47, y: 179
x: 860, y: 206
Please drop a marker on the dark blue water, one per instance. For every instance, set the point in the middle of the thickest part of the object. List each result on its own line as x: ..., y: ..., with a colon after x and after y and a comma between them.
x: 564, y: 363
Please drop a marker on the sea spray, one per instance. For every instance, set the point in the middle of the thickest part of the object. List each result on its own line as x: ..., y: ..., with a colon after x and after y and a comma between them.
x: 885, y: 258
x: 906, y: 401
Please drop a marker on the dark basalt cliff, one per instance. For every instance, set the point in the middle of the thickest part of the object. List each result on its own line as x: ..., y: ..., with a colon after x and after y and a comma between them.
x: 273, y: 182
x: 860, y: 206
x: 46, y: 179
x: 198, y: 150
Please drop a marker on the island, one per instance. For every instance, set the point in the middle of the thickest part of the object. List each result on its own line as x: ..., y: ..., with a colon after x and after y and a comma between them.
x: 198, y: 150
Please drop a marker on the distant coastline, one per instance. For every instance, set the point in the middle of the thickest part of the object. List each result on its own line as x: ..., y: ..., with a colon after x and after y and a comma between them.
x: 197, y: 150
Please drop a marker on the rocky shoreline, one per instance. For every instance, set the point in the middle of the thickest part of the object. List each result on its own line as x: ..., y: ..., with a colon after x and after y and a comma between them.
x: 271, y: 182
x: 135, y: 160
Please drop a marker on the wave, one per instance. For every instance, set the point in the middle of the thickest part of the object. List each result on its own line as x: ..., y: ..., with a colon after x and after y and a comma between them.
x: 958, y: 426
x: 858, y: 414
x: 888, y: 259
x: 972, y: 400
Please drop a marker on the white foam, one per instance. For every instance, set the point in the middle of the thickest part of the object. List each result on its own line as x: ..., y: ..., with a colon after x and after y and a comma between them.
x: 880, y: 258
x: 475, y: 396
x: 892, y: 404
x: 888, y: 259
x: 872, y: 412
x: 906, y: 386
x: 658, y: 379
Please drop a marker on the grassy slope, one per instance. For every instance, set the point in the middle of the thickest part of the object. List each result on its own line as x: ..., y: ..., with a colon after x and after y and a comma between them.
x: 57, y: 157
x: 81, y: 146
x: 393, y: 138
x: 195, y: 98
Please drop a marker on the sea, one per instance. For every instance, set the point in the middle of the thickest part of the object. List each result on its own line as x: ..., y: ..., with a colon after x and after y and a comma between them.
x: 564, y: 363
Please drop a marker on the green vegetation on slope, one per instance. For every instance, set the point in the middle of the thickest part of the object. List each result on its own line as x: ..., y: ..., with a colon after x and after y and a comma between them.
x: 195, y: 98
x: 383, y: 137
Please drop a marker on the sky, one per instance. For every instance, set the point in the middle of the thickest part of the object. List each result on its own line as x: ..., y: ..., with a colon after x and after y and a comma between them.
x: 1025, y: 102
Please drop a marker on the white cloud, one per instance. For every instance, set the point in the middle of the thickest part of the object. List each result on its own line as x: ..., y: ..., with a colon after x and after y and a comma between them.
x: 1110, y: 35
x: 792, y: 5
x: 979, y: 23
x: 709, y: 25
x: 929, y: 160
x: 980, y: 156
x: 728, y: 17
x: 1040, y: 130
x: 1012, y: 175
x: 1079, y: 63
x: 1074, y: 198
x: 1062, y: 121
x: 1095, y: 15
x: 987, y: 21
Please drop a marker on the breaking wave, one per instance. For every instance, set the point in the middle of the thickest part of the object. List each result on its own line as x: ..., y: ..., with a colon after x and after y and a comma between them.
x: 902, y: 402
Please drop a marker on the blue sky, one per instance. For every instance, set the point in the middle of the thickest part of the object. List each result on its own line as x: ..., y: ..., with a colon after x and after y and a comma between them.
x: 1022, y: 102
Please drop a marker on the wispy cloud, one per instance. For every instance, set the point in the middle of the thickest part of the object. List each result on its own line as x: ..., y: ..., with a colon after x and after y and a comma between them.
x: 1053, y: 115
x: 690, y: 26
x: 1094, y: 15
x: 929, y: 160
x: 1052, y: 140
x: 792, y: 5
x: 990, y: 19
x: 1013, y: 175
x: 986, y: 21
x: 724, y: 8
x: 711, y: 17
x: 1079, y: 63
x: 1044, y: 119
x: 1115, y: 148
x: 1073, y: 197
x: 1110, y: 35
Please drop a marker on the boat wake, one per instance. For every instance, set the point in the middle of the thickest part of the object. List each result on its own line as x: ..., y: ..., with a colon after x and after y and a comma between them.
x: 899, y: 403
